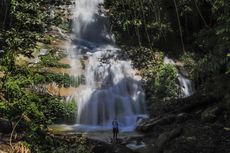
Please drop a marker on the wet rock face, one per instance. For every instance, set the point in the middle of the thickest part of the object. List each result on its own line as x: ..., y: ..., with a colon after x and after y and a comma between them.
x: 5, y: 126
x: 148, y: 125
x: 166, y: 137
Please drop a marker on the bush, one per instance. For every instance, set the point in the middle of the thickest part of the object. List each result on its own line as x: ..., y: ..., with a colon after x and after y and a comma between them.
x: 166, y: 81
x: 56, y: 109
x: 39, y: 109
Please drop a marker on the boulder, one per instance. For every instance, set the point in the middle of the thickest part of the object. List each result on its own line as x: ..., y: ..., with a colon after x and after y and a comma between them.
x: 210, y: 114
x: 99, y: 146
x: 110, y: 148
x: 147, y: 125
x: 140, y: 147
x: 182, y: 117
x: 120, y: 149
x: 166, y: 137
x: 135, y: 145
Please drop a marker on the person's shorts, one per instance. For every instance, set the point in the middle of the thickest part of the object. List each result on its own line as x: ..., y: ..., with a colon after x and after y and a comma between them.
x: 115, y: 130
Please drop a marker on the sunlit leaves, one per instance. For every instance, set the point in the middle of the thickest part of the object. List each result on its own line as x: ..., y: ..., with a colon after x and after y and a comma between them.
x: 144, y: 21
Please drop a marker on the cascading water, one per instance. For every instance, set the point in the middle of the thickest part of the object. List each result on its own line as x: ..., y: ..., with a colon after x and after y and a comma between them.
x: 111, y: 88
x: 90, y: 25
x: 185, y: 84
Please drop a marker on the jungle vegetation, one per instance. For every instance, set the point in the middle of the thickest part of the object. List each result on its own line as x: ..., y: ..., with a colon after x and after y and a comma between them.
x: 195, y: 33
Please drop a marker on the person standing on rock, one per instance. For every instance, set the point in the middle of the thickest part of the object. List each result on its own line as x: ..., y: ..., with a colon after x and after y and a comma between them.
x: 115, y: 129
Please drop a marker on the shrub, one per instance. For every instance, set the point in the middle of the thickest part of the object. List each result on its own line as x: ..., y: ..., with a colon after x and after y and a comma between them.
x: 166, y: 81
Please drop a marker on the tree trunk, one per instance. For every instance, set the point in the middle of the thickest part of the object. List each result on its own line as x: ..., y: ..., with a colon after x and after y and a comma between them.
x: 4, y: 13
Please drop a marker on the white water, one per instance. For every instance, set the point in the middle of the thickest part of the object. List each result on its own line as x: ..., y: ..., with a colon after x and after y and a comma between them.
x: 186, y: 86
x: 111, y: 90
x: 185, y: 83
x: 90, y: 24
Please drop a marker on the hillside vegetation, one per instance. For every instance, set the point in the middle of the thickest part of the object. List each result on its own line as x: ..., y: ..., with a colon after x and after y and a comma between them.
x: 195, y: 34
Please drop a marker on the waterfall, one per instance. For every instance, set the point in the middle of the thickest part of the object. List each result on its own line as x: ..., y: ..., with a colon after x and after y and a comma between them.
x: 186, y: 88
x: 111, y: 90
x: 90, y: 24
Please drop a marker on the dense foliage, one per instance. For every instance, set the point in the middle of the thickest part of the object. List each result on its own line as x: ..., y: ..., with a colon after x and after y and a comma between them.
x: 194, y: 32
x: 24, y: 24
x: 154, y: 23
